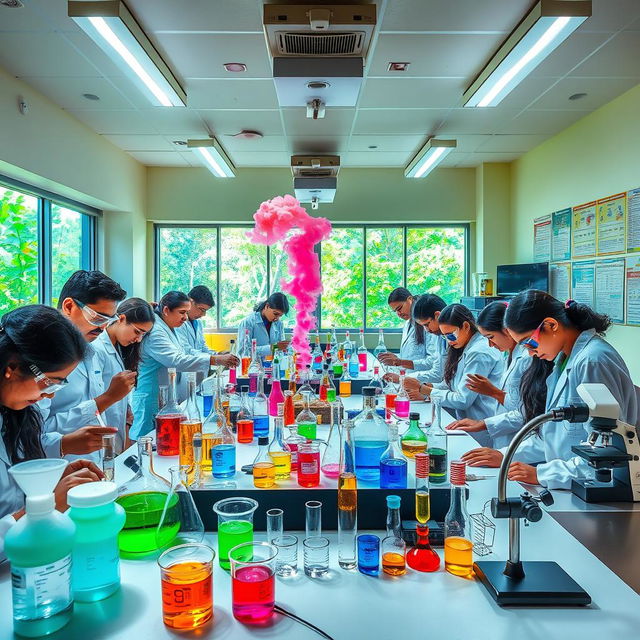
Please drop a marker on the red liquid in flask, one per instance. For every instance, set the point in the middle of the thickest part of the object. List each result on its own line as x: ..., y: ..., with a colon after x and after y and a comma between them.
x: 253, y: 594
x: 422, y: 557
x: 308, y: 468
x: 168, y: 434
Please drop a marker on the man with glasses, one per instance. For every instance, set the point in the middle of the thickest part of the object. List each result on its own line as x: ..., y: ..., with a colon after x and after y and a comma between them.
x: 191, y: 334
x: 89, y: 300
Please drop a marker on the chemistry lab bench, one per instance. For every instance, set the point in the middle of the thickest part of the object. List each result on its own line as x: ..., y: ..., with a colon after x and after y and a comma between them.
x: 351, y: 606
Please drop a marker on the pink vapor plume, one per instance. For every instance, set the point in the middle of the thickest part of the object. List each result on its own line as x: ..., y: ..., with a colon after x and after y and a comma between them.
x: 274, y: 219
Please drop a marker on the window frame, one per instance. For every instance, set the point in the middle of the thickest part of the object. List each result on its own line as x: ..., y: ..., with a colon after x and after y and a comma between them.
x: 89, y: 240
x: 465, y: 226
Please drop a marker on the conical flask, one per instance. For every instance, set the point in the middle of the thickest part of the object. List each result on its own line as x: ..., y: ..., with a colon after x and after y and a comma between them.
x: 152, y: 511
x: 190, y: 524
x: 330, y: 465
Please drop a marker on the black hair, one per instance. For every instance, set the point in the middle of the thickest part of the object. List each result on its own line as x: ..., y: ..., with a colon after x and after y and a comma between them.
x: 39, y: 336
x: 491, y: 318
x: 533, y: 388
x: 90, y: 286
x: 202, y: 295
x: 276, y: 301
x: 172, y: 300
x: 455, y: 315
x: 134, y: 310
x: 529, y: 308
x: 425, y: 306
x: 400, y: 294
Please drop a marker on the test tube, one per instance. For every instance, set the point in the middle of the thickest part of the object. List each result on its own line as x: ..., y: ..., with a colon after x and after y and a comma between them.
x: 274, y: 524
x: 196, y: 474
x: 313, y: 519
x: 108, y: 456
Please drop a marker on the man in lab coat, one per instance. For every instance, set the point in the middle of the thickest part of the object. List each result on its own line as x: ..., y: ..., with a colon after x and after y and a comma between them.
x: 191, y: 334
x: 89, y: 300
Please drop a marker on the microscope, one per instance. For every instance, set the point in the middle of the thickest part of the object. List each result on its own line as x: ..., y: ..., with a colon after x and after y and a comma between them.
x: 612, y: 449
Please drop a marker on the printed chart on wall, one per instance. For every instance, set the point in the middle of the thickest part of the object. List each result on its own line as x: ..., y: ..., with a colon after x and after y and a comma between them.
x: 612, y: 224
x: 560, y: 280
x: 583, y: 232
x: 583, y: 276
x: 633, y: 220
x: 610, y: 276
x: 633, y: 290
x: 542, y: 239
x: 561, y: 235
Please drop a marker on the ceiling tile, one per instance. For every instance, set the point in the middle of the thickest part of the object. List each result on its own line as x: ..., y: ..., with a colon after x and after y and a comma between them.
x: 476, y: 121
x: 412, y: 92
x: 599, y: 91
x: 480, y: 157
x: 202, y: 55
x: 386, y: 143
x: 159, y: 158
x: 268, y: 143
x: 325, y: 144
x: 261, y: 159
x: 121, y: 122
x: 461, y: 15
x: 611, y: 15
x: 541, y: 122
x: 374, y: 159
x: 619, y: 57
x: 142, y: 143
x: 171, y: 121
x: 509, y: 143
x: 231, y: 94
x: 38, y: 15
x: 337, y: 122
x: 468, y: 143
x: 394, y: 121
x: 268, y: 123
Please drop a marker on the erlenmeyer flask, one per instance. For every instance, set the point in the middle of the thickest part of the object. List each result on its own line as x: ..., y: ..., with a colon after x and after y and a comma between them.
x: 152, y: 512
x: 186, y: 516
x: 330, y: 465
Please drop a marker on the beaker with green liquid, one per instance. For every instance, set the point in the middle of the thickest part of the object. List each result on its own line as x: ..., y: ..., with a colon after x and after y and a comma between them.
x: 152, y: 509
x: 235, y: 525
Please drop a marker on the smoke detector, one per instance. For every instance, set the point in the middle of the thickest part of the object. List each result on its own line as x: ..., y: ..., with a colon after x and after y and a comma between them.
x: 12, y: 4
x: 247, y: 134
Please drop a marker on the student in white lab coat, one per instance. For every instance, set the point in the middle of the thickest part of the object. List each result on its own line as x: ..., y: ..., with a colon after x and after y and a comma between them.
x: 118, y: 349
x: 468, y: 354
x: 191, y: 333
x: 508, y: 418
x: 38, y: 351
x: 570, y: 335
x: 162, y: 349
x: 265, y: 325
x: 89, y: 300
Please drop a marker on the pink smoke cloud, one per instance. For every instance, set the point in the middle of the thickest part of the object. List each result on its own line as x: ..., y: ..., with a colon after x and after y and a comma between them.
x: 274, y: 219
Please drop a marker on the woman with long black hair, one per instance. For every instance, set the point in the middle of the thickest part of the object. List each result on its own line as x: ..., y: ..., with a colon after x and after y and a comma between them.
x: 571, y: 336
x: 39, y: 348
x: 468, y: 354
x: 265, y: 326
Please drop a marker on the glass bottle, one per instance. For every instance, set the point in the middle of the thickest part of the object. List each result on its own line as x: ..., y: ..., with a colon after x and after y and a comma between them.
x: 260, y: 411
x: 235, y: 404
x: 145, y: 499
x: 255, y: 368
x: 210, y: 428
x: 393, y: 546
x: 381, y: 347
x: 306, y: 420
x: 347, y: 500
x: 390, y: 393
x: 233, y: 371
x: 168, y: 421
x: 458, y: 538
x: 264, y: 471
x: 289, y: 409
x: 394, y: 521
x: 293, y: 441
x: 276, y: 396
x: 345, y: 383
x: 422, y: 557
x: 316, y: 356
x: 376, y: 381
x: 402, y: 403
x: 331, y: 386
x: 363, y: 354
x: 393, y: 465
x: 191, y: 422
x: 309, y: 464
x: 244, y: 421
x: 306, y: 384
x: 222, y: 452
x: 330, y: 465
x: 413, y: 439
x: 347, y: 347
x: 245, y: 355
x: 279, y: 451
x: 333, y: 343
x: 370, y: 438
x: 437, y: 447
x: 354, y: 365
x: 325, y: 383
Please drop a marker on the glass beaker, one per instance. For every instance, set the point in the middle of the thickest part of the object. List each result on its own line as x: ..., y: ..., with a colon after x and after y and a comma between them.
x: 186, y: 574
x: 309, y: 464
x: 253, y: 584
x: 393, y: 550
x: 235, y: 525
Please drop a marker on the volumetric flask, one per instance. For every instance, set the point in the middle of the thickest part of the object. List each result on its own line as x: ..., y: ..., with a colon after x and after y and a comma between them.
x: 235, y: 525
x: 187, y: 585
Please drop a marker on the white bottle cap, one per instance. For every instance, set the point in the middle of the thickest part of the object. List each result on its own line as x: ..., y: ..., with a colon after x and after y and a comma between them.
x: 92, y: 494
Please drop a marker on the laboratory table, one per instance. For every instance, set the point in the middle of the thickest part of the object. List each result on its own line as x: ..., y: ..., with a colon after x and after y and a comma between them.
x: 351, y: 606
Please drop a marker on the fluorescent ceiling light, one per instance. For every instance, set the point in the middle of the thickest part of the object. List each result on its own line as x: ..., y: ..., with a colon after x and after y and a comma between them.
x: 112, y: 27
x: 545, y: 27
x: 429, y: 157
x: 213, y: 156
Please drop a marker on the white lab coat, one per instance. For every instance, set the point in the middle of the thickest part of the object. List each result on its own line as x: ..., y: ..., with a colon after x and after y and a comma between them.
x: 592, y: 359
x: 411, y: 350
x: 11, y: 496
x: 191, y: 337
x: 508, y: 419
x: 74, y: 406
x: 255, y: 323
x: 434, y: 371
x: 110, y: 361
x: 478, y: 357
x: 161, y: 349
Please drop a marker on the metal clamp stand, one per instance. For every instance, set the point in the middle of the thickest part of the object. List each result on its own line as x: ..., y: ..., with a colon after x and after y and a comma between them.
x: 528, y: 583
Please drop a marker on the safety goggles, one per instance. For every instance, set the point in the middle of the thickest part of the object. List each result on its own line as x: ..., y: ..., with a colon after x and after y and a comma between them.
x: 451, y: 337
x: 93, y: 317
x: 533, y: 341
x: 51, y: 385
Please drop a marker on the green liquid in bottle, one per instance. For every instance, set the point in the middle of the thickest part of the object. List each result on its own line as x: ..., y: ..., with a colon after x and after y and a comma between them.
x: 230, y: 534
x: 437, y: 465
x: 307, y: 430
x: 144, y: 510
x: 331, y: 395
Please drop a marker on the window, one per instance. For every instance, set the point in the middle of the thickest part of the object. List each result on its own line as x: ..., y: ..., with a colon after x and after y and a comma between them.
x: 360, y: 265
x: 42, y: 242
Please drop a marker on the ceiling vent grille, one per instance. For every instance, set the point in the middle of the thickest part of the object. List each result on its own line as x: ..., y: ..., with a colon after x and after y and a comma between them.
x: 321, y: 44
